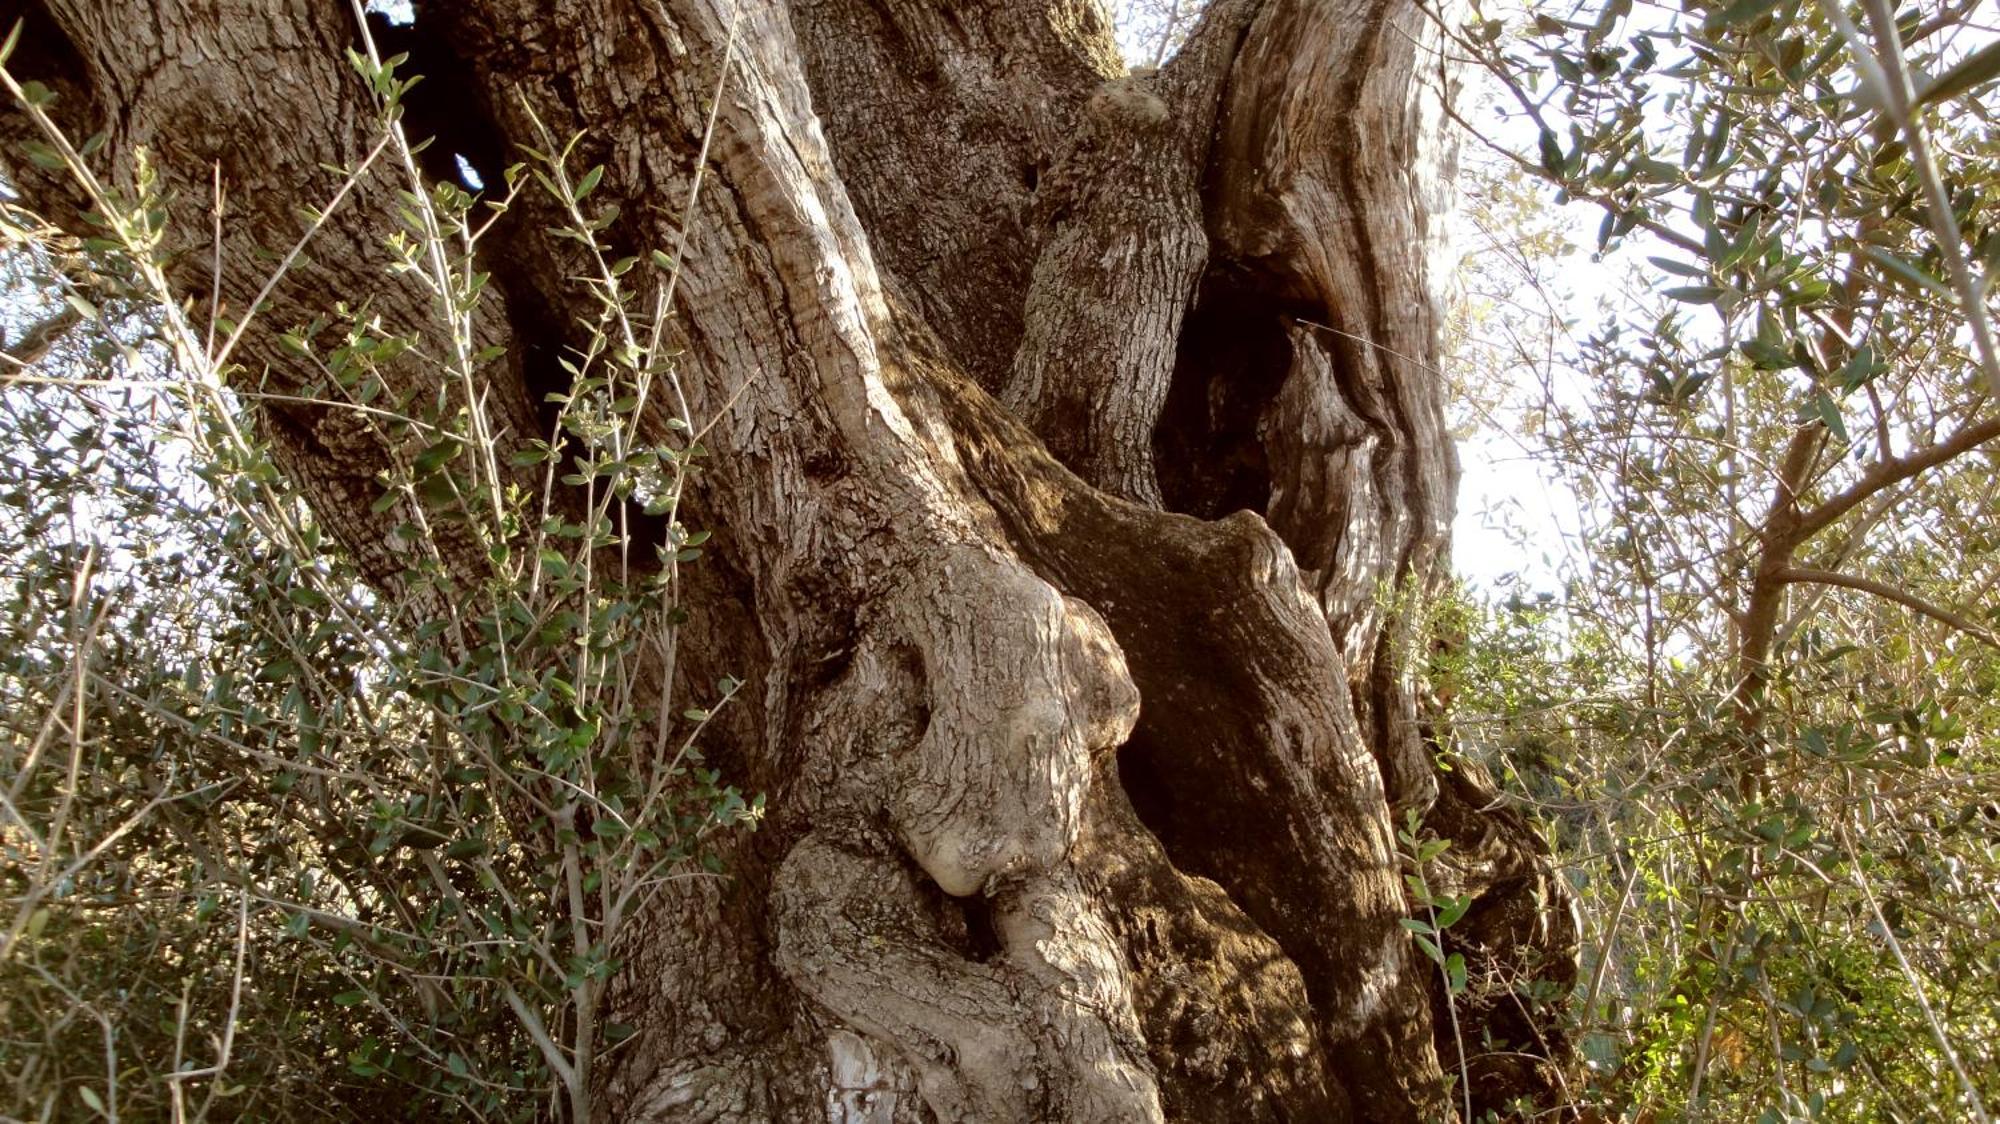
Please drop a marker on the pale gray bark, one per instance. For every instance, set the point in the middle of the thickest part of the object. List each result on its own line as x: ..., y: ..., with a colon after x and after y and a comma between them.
x: 1077, y: 424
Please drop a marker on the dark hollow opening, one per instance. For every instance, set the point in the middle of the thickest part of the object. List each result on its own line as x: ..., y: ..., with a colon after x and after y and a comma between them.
x: 445, y: 114
x: 1233, y: 357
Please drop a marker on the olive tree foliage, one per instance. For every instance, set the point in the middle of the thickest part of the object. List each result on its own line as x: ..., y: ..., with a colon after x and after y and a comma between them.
x: 1761, y: 710
x: 275, y: 834
x: 1072, y: 441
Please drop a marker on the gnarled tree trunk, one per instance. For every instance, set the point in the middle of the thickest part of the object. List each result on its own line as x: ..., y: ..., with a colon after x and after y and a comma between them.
x: 1076, y: 426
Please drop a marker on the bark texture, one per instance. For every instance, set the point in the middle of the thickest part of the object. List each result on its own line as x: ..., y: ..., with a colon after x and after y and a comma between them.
x: 1076, y: 426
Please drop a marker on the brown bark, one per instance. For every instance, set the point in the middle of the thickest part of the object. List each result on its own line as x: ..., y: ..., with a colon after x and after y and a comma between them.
x: 1075, y: 424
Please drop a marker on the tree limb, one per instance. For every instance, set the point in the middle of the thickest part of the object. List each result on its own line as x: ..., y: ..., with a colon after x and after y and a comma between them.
x: 40, y: 339
x: 1893, y: 471
x: 1794, y: 575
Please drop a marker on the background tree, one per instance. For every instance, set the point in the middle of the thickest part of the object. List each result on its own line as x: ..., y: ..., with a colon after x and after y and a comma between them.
x: 1076, y: 464
x: 1760, y: 706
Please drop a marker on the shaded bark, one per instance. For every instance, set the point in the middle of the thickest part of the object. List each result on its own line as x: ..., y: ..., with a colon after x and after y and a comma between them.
x: 1075, y: 424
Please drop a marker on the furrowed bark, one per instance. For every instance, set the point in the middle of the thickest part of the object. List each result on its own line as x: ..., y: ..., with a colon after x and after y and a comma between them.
x: 1074, y: 425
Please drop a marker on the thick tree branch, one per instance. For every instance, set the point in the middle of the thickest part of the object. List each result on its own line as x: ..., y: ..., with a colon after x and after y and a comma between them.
x: 1787, y: 526
x: 37, y: 340
x: 1777, y: 540
x: 945, y: 122
x: 1122, y: 249
x: 1895, y: 470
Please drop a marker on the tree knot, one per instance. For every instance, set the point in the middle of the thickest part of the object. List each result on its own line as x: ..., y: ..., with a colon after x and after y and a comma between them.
x: 1128, y: 105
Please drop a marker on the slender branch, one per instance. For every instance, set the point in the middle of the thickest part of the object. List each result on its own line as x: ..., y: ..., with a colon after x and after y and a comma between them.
x: 539, y: 1034
x: 1889, y: 592
x: 1885, y: 74
x: 1707, y: 1039
x: 1851, y: 544
x: 1165, y: 42
x: 1950, y: 17
x: 1888, y: 933
x: 1610, y: 940
x: 226, y: 1047
x: 1580, y: 192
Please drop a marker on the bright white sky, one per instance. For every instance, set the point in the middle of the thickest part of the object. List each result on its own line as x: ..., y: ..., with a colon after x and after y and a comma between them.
x: 1518, y: 526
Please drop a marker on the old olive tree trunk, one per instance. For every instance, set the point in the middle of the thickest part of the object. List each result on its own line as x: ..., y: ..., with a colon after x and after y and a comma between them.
x: 1076, y: 427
